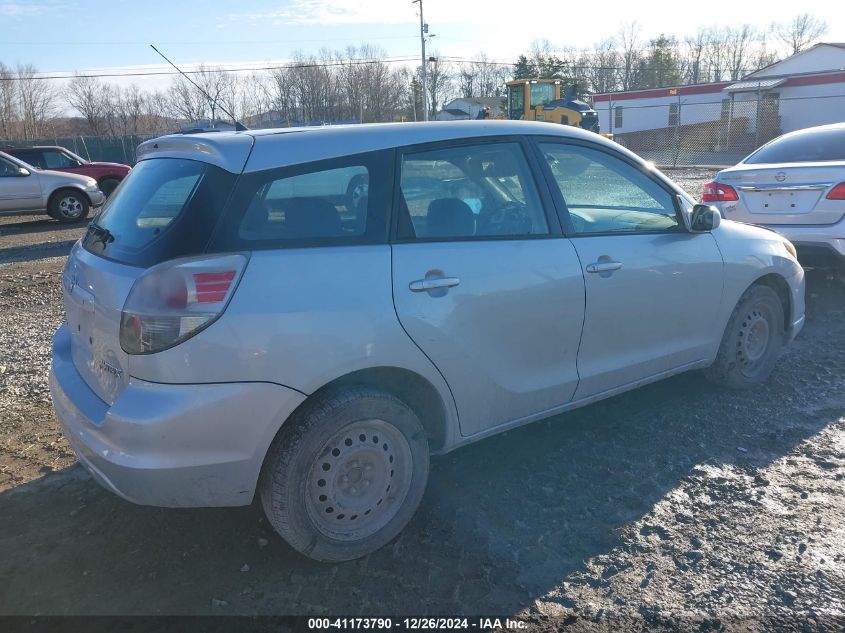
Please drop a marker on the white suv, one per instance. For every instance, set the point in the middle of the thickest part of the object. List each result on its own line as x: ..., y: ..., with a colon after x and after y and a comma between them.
x: 232, y: 333
x: 65, y: 197
x: 794, y: 184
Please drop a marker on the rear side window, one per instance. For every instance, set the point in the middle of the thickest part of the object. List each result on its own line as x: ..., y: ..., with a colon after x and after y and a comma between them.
x: 33, y: 158
x: 165, y: 208
x: 806, y: 147
x: 337, y: 201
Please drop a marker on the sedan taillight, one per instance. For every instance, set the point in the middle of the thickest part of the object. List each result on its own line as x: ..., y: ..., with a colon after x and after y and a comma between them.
x: 837, y: 193
x: 718, y: 192
x: 173, y: 301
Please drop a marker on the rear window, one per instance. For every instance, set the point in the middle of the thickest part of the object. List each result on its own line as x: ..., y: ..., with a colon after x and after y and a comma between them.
x: 165, y: 208
x: 806, y: 147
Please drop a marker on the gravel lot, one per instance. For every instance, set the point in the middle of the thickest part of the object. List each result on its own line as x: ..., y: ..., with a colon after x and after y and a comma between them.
x: 676, y: 505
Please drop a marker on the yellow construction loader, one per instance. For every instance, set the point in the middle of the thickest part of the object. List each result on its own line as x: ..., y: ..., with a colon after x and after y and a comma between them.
x: 543, y: 100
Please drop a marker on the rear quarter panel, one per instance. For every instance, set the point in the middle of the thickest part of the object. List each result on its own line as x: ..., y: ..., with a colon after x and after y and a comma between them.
x: 301, y: 318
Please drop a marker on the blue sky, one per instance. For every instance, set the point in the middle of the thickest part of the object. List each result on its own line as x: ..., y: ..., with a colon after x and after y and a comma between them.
x: 69, y: 35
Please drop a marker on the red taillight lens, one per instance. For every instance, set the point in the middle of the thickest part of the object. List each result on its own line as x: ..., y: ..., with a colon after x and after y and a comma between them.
x: 212, y: 287
x: 837, y: 193
x: 173, y: 301
x: 718, y: 192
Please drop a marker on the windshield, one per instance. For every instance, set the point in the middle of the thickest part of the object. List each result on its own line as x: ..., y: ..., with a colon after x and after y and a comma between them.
x: 808, y: 146
x: 165, y: 208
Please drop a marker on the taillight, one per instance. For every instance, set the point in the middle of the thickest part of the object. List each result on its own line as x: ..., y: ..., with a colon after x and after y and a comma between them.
x: 837, y: 193
x: 173, y: 301
x: 718, y: 192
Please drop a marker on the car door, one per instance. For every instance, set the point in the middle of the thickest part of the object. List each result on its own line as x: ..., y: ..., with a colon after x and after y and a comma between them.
x: 653, y: 289
x: 18, y: 192
x: 484, y: 282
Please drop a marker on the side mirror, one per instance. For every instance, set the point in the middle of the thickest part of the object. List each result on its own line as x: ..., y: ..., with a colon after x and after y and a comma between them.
x: 23, y: 171
x: 704, y: 218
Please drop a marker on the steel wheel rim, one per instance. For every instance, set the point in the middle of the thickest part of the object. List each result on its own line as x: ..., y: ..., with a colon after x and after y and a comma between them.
x: 755, y: 336
x: 70, y: 207
x: 359, y: 480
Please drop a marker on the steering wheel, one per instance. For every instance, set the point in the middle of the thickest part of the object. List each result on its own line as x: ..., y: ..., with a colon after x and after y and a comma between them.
x: 509, y: 219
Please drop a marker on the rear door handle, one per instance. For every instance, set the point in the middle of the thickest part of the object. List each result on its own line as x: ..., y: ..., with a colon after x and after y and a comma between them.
x: 603, y: 267
x: 424, y: 285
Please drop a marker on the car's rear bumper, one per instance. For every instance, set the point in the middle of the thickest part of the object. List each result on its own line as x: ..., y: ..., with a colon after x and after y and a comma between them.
x: 170, y: 445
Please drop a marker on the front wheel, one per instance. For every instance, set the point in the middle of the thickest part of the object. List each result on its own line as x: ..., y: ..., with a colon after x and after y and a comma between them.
x: 346, y: 475
x: 69, y: 205
x: 752, y: 341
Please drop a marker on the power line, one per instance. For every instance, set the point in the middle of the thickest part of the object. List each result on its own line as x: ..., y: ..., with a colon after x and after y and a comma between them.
x: 346, y: 62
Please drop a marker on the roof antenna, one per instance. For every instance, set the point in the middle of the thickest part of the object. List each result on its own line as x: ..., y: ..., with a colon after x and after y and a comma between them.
x: 239, y: 127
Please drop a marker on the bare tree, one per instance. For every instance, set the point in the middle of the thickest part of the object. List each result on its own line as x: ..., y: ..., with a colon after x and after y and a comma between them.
x: 800, y: 32
x: 716, y: 54
x: 629, y: 43
x: 439, y: 82
x: 85, y: 95
x: 738, y: 43
x: 36, y: 100
x: 693, y: 59
x: 8, y: 102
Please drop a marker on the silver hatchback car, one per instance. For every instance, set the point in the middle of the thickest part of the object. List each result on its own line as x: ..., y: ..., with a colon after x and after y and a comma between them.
x: 242, y: 320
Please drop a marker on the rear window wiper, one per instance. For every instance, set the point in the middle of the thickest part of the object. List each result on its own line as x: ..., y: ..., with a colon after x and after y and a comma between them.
x: 103, y: 234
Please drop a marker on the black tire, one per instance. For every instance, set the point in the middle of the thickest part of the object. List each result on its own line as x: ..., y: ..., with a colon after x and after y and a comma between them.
x: 69, y: 205
x: 752, y: 340
x: 108, y: 185
x: 327, y: 479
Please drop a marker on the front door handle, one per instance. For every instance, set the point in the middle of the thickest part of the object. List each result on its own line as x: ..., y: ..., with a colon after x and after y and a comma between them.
x: 424, y: 285
x: 603, y: 267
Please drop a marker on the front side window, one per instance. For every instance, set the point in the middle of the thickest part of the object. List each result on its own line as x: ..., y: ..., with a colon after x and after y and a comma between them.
x: 469, y: 191
x: 541, y: 94
x: 54, y: 159
x: 8, y: 168
x: 605, y: 194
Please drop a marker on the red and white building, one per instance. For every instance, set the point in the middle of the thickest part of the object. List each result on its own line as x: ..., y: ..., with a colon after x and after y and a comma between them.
x: 800, y: 91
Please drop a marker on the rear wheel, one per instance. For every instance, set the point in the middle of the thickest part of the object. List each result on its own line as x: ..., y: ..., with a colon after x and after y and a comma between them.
x: 346, y: 475
x: 69, y: 205
x: 752, y: 341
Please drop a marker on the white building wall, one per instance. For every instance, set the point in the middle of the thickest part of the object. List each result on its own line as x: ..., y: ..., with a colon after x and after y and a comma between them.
x: 650, y: 113
x: 805, y: 106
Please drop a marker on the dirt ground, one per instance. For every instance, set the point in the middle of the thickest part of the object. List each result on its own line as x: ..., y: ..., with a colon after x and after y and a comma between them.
x: 677, y: 504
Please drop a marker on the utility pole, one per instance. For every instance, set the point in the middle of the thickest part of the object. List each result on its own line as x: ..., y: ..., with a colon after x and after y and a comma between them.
x: 423, y: 31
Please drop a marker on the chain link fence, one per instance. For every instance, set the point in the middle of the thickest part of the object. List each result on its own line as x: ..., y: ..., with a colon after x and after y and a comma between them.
x: 111, y: 149
x: 692, y: 130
